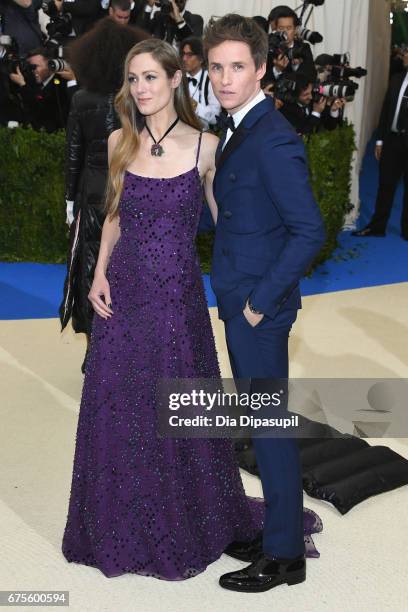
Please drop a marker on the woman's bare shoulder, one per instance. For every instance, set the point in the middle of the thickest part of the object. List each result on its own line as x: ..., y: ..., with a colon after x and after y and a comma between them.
x: 210, y: 141
x: 114, y: 137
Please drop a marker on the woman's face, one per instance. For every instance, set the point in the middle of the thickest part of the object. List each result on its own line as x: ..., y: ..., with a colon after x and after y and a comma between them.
x: 150, y: 86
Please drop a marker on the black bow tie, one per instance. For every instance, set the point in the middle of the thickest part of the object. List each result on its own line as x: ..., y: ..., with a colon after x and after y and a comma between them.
x: 192, y: 80
x: 227, y: 122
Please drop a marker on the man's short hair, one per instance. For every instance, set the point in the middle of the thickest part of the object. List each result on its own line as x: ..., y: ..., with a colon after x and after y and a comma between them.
x: 196, y: 45
x: 262, y: 22
x: 302, y: 82
x: 121, y: 5
x: 40, y: 51
x: 284, y: 12
x: 324, y: 59
x: 240, y: 29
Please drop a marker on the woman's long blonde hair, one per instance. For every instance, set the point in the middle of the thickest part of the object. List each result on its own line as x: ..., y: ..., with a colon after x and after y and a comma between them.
x: 132, y: 121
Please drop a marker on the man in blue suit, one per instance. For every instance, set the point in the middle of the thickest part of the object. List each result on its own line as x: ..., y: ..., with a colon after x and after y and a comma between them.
x: 269, y: 230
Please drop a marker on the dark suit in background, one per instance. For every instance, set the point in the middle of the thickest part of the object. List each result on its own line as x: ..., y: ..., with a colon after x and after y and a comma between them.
x: 22, y: 24
x: 46, y: 107
x: 166, y: 28
x: 307, y: 67
x: 394, y: 159
x: 305, y: 122
x: 84, y: 13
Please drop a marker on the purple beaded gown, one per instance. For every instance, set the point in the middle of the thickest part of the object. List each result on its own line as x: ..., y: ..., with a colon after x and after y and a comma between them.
x: 141, y: 504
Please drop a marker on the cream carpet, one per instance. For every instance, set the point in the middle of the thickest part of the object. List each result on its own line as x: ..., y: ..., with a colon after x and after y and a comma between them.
x: 364, y: 555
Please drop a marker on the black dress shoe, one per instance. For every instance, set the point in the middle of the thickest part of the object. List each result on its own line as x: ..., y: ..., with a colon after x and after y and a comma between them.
x: 264, y: 574
x: 368, y: 232
x: 245, y: 551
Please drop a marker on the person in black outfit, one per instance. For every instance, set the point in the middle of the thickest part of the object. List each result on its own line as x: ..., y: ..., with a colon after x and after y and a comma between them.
x: 20, y: 21
x: 177, y: 26
x: 307, y: 116
x: 97, y: 60
x: 284, y: 19
x: 45, y: 99
x: 84, y: 13
x: 392, y: 153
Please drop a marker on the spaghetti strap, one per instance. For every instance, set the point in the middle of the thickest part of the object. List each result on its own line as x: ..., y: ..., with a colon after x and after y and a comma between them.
x: 198, y: 148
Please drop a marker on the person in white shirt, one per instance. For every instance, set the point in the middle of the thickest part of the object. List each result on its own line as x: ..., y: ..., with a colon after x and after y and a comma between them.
x: 207, y: 106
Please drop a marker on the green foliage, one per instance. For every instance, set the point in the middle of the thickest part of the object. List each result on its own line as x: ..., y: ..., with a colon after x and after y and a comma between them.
x: 32, y: 208
x: 330, y: 161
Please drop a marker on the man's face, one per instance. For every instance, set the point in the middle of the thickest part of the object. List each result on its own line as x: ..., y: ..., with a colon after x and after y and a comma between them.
x: 405, y: 57
x: 286, y: 24
x: 233, y: 74
x: 306, y: 96
x: 40, y: 64
x: 121, y: 17
x: 181, y: 4
x: 192, y: 63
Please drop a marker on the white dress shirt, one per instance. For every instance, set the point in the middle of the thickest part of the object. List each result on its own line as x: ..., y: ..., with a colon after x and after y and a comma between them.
x: 207, y: 112
x: 239, y: 115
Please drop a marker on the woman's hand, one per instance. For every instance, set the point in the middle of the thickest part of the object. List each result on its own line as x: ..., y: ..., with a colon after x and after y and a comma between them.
x: 99, y: 296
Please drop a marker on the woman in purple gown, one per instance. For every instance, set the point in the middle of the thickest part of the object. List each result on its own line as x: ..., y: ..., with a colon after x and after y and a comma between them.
x: 141, y: 504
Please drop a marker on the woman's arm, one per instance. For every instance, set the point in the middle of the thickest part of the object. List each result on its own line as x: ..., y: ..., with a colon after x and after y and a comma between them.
x: 210, y: 144
x: 99, y: 294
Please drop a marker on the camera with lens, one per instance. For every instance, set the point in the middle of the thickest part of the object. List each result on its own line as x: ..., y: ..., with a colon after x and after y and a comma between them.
x: 340, y: 89
x: 345, y: 72
x: 165, y: 6
x: 314, y: 38
x: 342, y: 69
x: 9, y: 56
x: 278, y: 44
x: 60, y: 24
x: 285, y: 90
x: 58, y: 65
x: 11, y: 60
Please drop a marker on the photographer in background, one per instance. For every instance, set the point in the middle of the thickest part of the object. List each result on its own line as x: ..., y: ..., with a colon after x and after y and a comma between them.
x: 170, y: 21
x: 84, y: 13
x: 20, y: 21
x: 207, y: 106
x: 120, y: 11
x: 324, y: 65
x: 45, y: 98
x: 305, y: 109
x: 287, y: 53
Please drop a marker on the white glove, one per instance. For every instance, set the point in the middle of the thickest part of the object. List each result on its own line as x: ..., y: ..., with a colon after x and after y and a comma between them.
x: 70, y: 211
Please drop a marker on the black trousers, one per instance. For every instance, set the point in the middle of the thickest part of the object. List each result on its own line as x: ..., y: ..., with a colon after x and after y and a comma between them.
x: 393, y: 165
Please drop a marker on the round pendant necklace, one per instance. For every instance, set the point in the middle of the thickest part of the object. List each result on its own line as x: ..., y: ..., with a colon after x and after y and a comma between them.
x: 157, y: 150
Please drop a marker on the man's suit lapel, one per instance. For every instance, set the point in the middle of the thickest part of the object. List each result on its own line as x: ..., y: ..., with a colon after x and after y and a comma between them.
x: 234, y: 142
x: 242, y: 131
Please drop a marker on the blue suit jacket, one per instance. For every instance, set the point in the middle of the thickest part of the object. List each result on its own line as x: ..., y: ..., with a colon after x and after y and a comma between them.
x: 269, y: 226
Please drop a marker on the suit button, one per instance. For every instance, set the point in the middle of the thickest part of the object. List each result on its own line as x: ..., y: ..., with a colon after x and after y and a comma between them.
x: 225, y: 252
x: 232, y: 177
x: 228, y: 214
